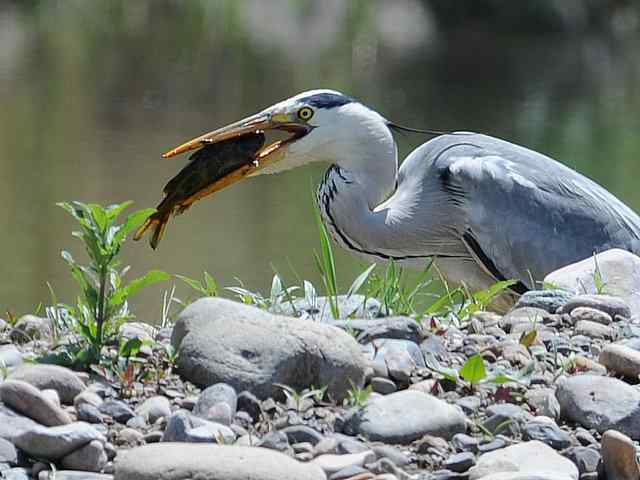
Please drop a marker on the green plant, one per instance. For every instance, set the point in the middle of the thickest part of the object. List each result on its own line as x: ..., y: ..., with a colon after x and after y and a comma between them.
x: 357, y: 397
x: 474, y: 371
x: 326, y: 264
x: 208, y: 287
x: 297, y: 399
x: 103, y: 301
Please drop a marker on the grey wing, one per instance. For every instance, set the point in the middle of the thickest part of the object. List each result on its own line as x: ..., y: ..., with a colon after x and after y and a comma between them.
x: 525, y: 214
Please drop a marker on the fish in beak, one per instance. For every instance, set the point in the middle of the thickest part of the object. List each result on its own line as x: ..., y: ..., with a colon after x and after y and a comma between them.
x: 223, y: 157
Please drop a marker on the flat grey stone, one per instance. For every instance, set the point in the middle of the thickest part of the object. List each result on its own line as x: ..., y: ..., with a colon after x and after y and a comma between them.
x: 117, y: 409
x: 405, y: 416
x: 179, y: 461
x: 550, y: 300
x: 601, y: 403
x: 400, y: 357
x: 612, y: 306
x: 543, y: 401
x: 88, y: 413
x: 547, y: 432
x: 585, y: 458
x: 331, y: 464
x: 13, y: 424
x: 460, y: 462
x: 53, y: 443
x: 525, y: 461
x: 400, y: 328
x: 28, y: 400
x: 591, y: 314
x: 302, y: 433
x: 594, y: 330
x: 73, y: 475
x: 61, y: 379
x: 250, y: 349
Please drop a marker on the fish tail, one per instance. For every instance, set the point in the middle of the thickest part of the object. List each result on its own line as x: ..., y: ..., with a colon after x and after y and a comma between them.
x: 159, y: 222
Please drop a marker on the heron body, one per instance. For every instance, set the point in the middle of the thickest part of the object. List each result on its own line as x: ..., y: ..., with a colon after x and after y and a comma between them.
x: 483, y: 208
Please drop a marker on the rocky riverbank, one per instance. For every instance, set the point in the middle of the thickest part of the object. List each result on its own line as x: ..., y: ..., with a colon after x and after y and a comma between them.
x: 551, y: 394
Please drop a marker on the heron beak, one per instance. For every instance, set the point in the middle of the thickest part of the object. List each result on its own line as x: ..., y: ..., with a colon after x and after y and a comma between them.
x: 260, y: 122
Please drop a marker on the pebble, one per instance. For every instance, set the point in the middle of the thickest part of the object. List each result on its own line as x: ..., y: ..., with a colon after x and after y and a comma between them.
x: 621, y: 360
x: 401, y: 357
x: 333, y: 463
x: 382, y: 385
x: 117, y: 409
x: 276, y: 440
x: 392, y: 453
x: 465, y: 443
x: 469, y: 405
x: 53, y: 443
x: 30, y: 327
x: 547, y: 432
x: 73, y: 475
x: 213, y: 395
x: 592, y: 315
x: 28, y: 400
x: 302, y: 433
x: 544, y: 402
x: 348, y: 473
x: 164, y: 461
x: 8, y: 453
x: 61, y: 379
x: 460, y: 462
x: 612, y: 306
x: 88, y: 458
x: 505, y: 418
x: 594, y: 330
x: 248, y: 402
x: 601, y: 403
x: 154, y: 408
x: 585, y: 458
x: 529, y: 316
x: 533, y: 458
x: 496, y: 443
x: 130, y: 437
x: 405, y: 416
x: 619, y: 456
x: 550, y: 300
x: 88, y: 413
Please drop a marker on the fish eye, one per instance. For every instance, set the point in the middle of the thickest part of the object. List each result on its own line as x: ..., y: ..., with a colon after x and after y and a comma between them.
x: 305, y: 113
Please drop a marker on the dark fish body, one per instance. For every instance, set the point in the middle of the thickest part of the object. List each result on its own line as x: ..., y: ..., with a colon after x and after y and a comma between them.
x: 206, y: 166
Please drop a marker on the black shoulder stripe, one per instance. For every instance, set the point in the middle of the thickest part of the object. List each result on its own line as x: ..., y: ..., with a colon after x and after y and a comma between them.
x: 472, y: 243
x: 327, y: 100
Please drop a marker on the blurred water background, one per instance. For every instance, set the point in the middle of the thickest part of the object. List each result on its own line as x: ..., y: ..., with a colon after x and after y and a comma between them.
x: 92, y: 92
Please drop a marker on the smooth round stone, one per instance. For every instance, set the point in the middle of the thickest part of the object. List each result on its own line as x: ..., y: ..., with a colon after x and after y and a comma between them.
x: 465, y: 443
x: 613, y: 306
x: 30, y: 327
x: 382, y: 385
x: 585, y: 458
x: 154, y: 408
x: 53, y: 443
x: 8, y: 453
x: 213, y: 395
x: 405, y: 416
x: 10, y: 356
x: 333, y: 463
x: 592, y: 315
x: 594, y: 330
x: 619, y: 456
x: 117, y: 409
x: 621, y: 360
x: 529, y: 459
x: 177, y: 461
x: 27, y: 399
x: 550, y: 300
x: 302, y: 433
x: 88, y: 413
x: 61, y: 379
x: 461, y: 462
x: 547, y: 432
x: 88, y: 458
x: 601, y: 403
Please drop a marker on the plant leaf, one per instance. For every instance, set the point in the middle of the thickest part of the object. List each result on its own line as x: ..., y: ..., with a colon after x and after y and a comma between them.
x: 527, y: 338
x: 134, y: 286
x: 360, y: 280
x: 473, y: 371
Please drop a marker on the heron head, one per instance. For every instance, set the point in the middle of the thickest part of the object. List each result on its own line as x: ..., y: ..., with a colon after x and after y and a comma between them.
x: 318, y: 125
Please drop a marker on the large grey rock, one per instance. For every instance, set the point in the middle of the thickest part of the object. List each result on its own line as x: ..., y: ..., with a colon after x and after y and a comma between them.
x: 619, y: 270
x: 615, y: 307
x: 525, y: 461
x: 179, y: 461
x: 405, y: 416
x: 601, y: 403
x: 88, y: 458
x: 30, y: 327
x: 53, y: 443
x: 250, y: 349
x: 13, y: 424
x: 27, y: 399
x: 61, y: 379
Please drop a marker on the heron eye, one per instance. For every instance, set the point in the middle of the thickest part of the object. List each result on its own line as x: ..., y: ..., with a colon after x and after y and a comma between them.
x: 305, y: 113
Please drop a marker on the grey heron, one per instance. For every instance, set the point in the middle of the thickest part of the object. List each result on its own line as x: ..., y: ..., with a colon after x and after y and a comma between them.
x: 483, y: 208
